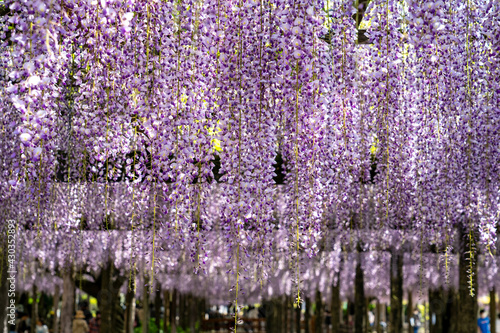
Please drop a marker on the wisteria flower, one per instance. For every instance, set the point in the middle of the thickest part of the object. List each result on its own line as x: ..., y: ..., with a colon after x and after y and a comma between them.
x: 296, y: 30
x: 36, y: 153
x: 33, y: 81
x: 25, y: 137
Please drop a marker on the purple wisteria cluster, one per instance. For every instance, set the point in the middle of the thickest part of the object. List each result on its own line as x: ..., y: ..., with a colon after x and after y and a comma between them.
x: 262, y: 124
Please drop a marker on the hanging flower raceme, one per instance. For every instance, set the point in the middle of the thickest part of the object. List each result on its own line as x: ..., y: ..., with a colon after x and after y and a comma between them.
x: 179, y: 123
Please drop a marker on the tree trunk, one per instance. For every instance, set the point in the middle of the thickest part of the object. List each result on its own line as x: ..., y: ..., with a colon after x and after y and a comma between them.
x: 117, y: 320
x: 396, y: 292
x: 200, y: 310
x: 433, y: 298
x: 493, y: 310
x: 45, y: 302
x: 297, y: 317
x: 145, y: 308
x: 181, y: 311
x: 359, y: 299
x: 166, y: 301
x: 106, y: 299
x: 336, y: 307
x: 68, y: 302
x: 409, y: 310
x: 378, y: 311
x: 285, y: 314
x: 367, y: 317
x: 185, y: 311
x: 203, y: 307
x: 271, y: 308
x: 284, y: 309
x: 106, y: 287
x: 349, y: 315
x: 158, y: 306
x: 130, y: 309
x: 383, y: 312
x: 451, y: 312
x: 436, y: 310
x: 279, y: 305
x: 268, y: 311
x: 307, y: 317
x: 173, y: 311
x: 424, y: 320
x: 34, y: 309
x: 192, y: 313
x: 318, y: 323
x: 55, y: 322
x: 467, y: 277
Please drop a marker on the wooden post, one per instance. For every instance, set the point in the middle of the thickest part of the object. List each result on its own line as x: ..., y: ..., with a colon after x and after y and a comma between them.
x: 272, y: 310
x: 367, y: 317
x: 268, y: 311
x: 203, y: 307
x: 166, y: 314
x: 173, y: 311
x: 145, y: 307
x: 318, y: 323
x: 432, y: 298
x: 55, y: 322
x: 359, y: 298
x: 278, y: 318
x: 282, y: 310
x: 424, y: 320
x: 192, y: 313
x: 467, y: 279
x: 158, y: 306
x: 182, y: 315
x: 285, y: 313
x: 130, y: 309
x: 297, y: 317
x: 180, y: 309
x: 493, y: 310
x: 307, y: 316
x: 336, y: 307
x: 34, y: 309
x: 409, y: 310
x: 378, y: 311
x: 436, y: 310
x: 106, y: 298
x: 451, y: 312
x: 396, y: 315
x: 68, y: 301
